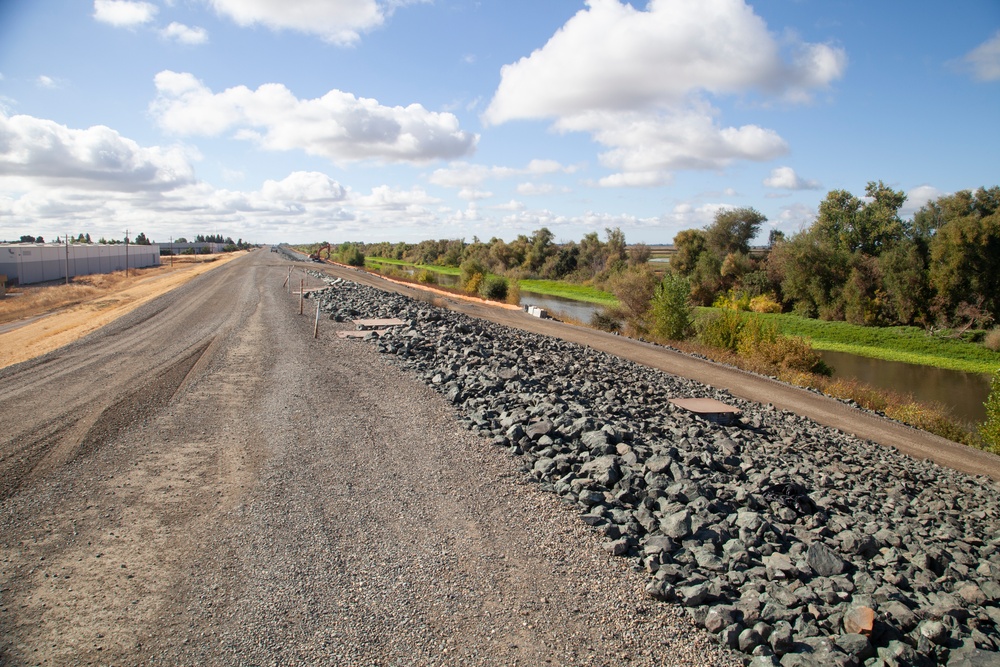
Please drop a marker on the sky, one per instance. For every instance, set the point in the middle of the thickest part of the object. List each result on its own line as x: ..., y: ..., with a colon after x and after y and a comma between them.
x: 403, y: 120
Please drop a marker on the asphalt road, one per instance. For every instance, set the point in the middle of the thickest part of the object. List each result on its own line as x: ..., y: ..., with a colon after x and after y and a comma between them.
x: 202, y: 482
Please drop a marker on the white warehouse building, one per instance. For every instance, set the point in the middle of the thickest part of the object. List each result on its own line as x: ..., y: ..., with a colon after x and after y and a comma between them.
x: 26, y: 263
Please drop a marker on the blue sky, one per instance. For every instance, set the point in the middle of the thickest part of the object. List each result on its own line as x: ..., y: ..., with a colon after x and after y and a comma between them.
x: 402, y: 120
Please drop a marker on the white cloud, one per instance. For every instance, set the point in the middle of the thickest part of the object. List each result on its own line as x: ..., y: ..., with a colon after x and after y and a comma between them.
x: 984, y: 60
x: 384, y: 197
x: 464, y: 174
x: 43, y: 151
x: 639, y: 83
x: 785, y: 178
x: 534, y: 189
x: 183, y: 34
x: 44, y: 81
x: 336, y: 21
x: 512, y: 205
x: 124, y: 14
x: 612, y: 57
x: 473, y: 194
x: 337, y: 126
x: 917, y: 197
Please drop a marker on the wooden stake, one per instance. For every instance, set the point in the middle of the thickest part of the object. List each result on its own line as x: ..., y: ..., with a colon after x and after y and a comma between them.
x: 285, y: 284
x: 302, y: 295
x: 316, y: 325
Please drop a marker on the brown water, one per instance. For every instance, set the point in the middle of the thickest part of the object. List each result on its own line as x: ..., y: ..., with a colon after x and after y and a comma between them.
x: 964, y: 393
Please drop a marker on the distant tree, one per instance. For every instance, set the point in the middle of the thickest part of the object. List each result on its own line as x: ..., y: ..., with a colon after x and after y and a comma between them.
x: 141, y: 239
x: 774, y: 237
x: 965, y: 251
x: 27, y: 238
x: 689, y: 244
x: 732, y: 230
x: 180, y: 239
x: 639, y: 254
x: 39, y: 239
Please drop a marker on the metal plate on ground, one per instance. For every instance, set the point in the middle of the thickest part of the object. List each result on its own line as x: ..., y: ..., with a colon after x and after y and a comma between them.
x: 360, y: 334
x: 389, y: 322
x: 709, y: 408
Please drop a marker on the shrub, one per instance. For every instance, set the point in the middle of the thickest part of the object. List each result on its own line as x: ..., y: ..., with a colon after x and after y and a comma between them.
x: 992, y: 340
x: 471, y: 274
x: 671, y: 310
x: 733, y: 300
x: 493, y: 287
x: 765, y: 303
x: 635, y: 289
x: 426, y: 277
x: 990, y: 430
x: 721, y: 329
x: 350, y: 254
x: 513, y: 292
x: 606, y: 320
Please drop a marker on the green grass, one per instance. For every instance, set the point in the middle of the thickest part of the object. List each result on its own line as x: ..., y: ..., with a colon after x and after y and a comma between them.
x: 571, y: 291
x: 446, y: 270
x: 907, y: 344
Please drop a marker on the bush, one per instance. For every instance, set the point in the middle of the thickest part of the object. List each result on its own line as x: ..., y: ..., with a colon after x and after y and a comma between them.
x: 606, y: 320
x: 671, y: 311
x: 426, y: 277
x: 471, y: 274
x: 350, y: 254
x: 765, y: 303
x: 990, y: 430
x: 493, y: 287
x: 513, y: 292
x: 635, y: 289
x: 721, y: 329
x: 992, y: 340
x: 733, y: 300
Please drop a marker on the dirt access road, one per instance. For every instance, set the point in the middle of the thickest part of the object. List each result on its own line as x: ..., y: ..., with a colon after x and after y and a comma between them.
x: 201, y: 482
x: 822, y: 409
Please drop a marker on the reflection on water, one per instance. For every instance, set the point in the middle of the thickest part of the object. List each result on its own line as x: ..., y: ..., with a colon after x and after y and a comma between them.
x: 964, y: 393
x: 560, y: 308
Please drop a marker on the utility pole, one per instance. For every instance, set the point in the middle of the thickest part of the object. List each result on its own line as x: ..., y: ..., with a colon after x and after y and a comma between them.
x: 67, y: 258
x: 126, y: 253
x: 171, y: 251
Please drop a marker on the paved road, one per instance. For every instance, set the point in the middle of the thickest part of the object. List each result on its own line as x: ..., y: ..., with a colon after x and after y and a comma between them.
x: 823, y: 410
x: 201, y: 482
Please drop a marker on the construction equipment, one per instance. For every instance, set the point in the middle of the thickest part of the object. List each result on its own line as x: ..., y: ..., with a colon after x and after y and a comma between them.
x: 315, y: 256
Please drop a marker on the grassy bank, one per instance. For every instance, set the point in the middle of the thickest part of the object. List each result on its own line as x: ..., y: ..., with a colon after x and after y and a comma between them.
x: 907, y: 344
x: 376, y: 262
x: 565, y: 290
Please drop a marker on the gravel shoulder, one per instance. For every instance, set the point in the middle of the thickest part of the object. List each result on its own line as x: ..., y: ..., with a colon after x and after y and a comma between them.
x: 202, y: 482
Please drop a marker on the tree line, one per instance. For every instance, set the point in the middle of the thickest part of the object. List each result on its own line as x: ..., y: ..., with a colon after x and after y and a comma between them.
x: 859, y: 260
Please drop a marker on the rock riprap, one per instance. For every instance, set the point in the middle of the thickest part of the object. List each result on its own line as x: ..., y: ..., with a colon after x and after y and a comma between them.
x: 794, y: 543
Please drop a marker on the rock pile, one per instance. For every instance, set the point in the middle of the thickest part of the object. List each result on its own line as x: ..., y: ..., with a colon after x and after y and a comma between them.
x: 791, y: 542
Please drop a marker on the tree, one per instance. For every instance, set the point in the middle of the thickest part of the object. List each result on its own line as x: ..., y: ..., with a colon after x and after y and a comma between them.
x: 689, y: 244
x: 859, y: 226
x: 635, y: 289
x: 990, y: 429
x: 732, y: 230
x: 141, y: 239
x: 672, y: 312
x: 965, y: 251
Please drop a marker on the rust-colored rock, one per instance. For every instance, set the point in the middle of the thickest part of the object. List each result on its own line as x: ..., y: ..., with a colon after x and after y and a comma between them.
x: 859, y: 621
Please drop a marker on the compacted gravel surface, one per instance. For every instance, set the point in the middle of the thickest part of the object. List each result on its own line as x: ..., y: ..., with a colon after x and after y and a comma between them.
x: 202, y: 482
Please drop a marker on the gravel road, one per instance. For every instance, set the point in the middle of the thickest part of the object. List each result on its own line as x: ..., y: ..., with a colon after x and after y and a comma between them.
x: 201, y: 482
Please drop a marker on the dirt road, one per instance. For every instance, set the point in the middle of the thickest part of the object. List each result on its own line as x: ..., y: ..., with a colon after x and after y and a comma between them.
x: 201, y: 482
x: 822, y: 409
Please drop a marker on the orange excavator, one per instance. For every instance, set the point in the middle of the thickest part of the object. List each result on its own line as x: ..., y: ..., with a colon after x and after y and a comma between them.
x: 315, y: 256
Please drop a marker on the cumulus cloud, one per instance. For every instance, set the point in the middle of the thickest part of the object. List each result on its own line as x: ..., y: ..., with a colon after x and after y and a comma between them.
x: 466, y: 175
x: 984, y: 60
x: 639, y: 82
x: 473, y: 194
x: 336, y: 21
x: 337, y: 126
x: 44, y: 81
x: 183, y: 34
x: 123, y: 13
x: 917, y: 197
x: 97, y: 157
x: 785, y: 178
